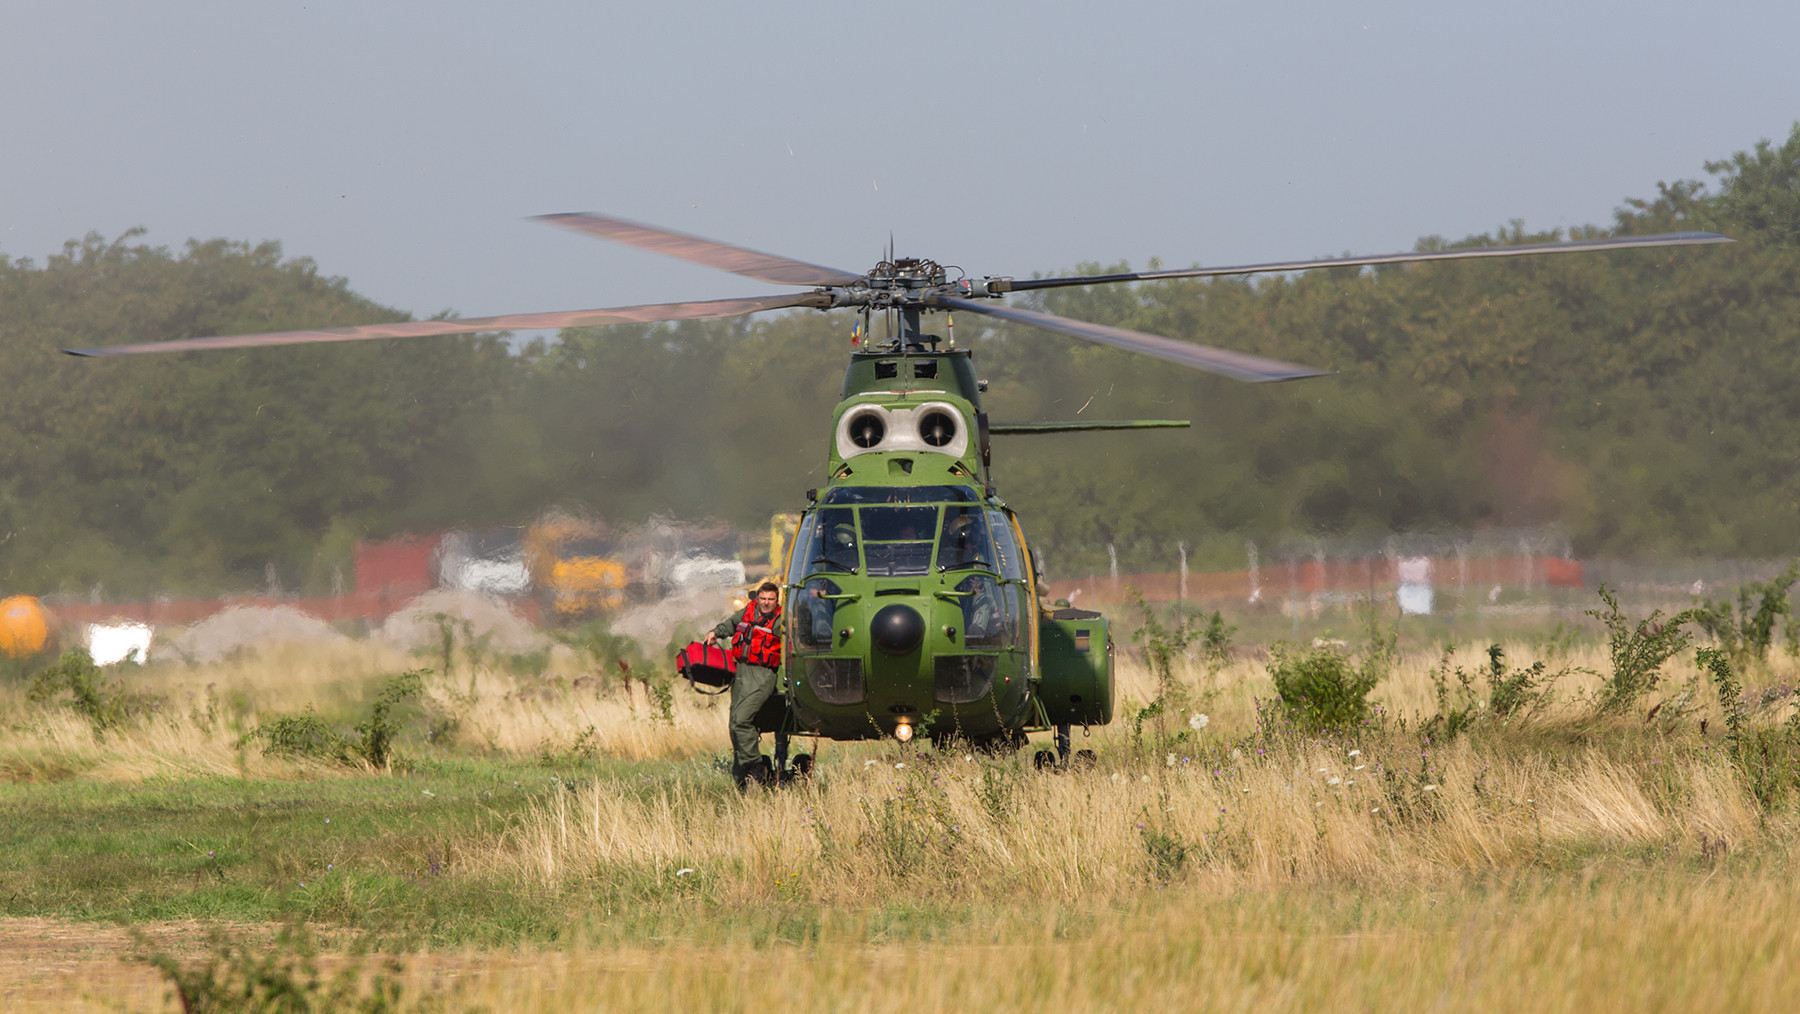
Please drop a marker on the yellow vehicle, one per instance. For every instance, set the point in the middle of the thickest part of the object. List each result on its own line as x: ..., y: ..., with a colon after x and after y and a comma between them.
x: 573, y: 564
x: 781, y: 534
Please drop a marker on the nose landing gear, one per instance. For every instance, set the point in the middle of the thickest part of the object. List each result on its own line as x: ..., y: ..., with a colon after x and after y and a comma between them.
x: 800, y: 769
x: 1062, y: 758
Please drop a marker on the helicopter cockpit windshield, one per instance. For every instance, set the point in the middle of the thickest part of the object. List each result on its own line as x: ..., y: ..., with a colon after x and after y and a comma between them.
x: 897, y: 540
x: 894, y: 540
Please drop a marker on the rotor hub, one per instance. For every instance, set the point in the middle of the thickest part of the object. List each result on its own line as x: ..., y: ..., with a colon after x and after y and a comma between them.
x: 910, y: 283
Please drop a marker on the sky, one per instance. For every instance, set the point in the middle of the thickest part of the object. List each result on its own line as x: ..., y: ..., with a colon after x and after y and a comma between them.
x: 404, y: 145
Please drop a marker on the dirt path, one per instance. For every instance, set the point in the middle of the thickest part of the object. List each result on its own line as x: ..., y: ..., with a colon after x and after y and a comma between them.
x: 62, y: 965
x: 51, y: 964
x: 59, y: 965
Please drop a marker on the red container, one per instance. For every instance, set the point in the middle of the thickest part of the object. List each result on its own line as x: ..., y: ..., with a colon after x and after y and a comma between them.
x: 708, y: 664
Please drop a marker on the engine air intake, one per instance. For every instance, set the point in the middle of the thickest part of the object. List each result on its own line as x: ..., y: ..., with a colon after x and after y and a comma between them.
x: 937, y: 428
x: 867, y: 430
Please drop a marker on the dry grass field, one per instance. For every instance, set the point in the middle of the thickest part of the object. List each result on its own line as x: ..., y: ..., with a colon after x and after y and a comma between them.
x: 549, y: 837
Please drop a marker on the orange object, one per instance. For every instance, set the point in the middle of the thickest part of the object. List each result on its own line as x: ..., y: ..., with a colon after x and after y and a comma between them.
x: 758, y: 643
x: 24, y: 627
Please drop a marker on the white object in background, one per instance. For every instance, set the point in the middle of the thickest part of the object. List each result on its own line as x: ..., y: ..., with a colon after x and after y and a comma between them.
x: 699, y: 572
x: 1414, y: 599
x: 1414, y: 593
x: 116, y: 642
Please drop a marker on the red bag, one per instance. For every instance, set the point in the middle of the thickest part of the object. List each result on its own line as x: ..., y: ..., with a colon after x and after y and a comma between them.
x: 709, y: 664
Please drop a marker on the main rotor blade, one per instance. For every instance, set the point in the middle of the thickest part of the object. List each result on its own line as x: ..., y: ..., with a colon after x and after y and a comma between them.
x: 647, y: 314
x: 737, y: 260
x: 1237, y: 365
x: 1469, y: 253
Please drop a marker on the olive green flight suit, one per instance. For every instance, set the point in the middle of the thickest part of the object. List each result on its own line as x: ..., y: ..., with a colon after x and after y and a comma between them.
x: 749, y: 692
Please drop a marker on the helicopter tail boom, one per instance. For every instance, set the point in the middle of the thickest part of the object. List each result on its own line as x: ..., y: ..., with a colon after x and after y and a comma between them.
x: 1071, y: 426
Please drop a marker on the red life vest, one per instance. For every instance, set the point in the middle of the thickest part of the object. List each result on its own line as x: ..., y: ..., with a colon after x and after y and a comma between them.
x: 755, y: 643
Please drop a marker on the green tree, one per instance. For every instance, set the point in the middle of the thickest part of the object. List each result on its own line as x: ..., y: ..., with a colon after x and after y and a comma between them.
x: 1760, y: 188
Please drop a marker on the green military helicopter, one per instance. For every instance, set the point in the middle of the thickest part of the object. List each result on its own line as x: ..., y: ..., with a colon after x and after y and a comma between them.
x: 913, y: 600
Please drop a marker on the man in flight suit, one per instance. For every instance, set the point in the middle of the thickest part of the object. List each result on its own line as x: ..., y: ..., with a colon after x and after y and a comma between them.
x: 756, y: 644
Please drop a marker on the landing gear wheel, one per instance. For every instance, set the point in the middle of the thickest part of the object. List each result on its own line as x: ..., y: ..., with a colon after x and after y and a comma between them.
x: 1086, y: 759
x: 803, y: 765
x: 1044, y: 760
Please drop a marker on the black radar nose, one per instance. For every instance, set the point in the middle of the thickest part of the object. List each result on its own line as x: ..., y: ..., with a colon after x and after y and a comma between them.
x: 897, y: 629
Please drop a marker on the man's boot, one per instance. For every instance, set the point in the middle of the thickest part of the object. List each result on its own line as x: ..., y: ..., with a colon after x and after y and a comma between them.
x: 761, y: 772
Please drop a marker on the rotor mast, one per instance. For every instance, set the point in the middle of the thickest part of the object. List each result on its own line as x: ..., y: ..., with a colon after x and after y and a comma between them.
x: 899, y: 286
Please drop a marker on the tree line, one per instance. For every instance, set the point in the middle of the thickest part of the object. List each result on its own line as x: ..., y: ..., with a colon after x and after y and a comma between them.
x: 1640, y: 401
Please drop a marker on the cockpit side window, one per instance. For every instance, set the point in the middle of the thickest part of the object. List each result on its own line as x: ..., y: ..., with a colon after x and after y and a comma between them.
x: 964, y: 541
x: 984, y: 612
x: 1012, y: 564
x: 812, y: 613
x: 802, y: 551
x: 833, y: 543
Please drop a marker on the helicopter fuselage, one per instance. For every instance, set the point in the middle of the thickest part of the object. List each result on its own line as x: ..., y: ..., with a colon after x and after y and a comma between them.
x: 912, y: 600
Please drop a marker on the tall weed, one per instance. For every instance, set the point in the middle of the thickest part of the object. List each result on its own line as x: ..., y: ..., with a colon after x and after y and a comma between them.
x: 1746, y: 632
x: 106, y: 704
x: 376, y: 733
x: 1637, y: 651
x: 1162, y: 646
x: 1322, y: 687
x: 1768, y: 758
x: 303, y: 735
x: 1511, y: 693
x: 1215, y: 641
x: 308, y: 735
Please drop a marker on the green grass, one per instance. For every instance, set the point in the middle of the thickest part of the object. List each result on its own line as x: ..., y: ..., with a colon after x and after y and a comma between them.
x: 370, y: 854
x: 1556, y: 858
x: 360, y: 851
x: 525, y: 827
